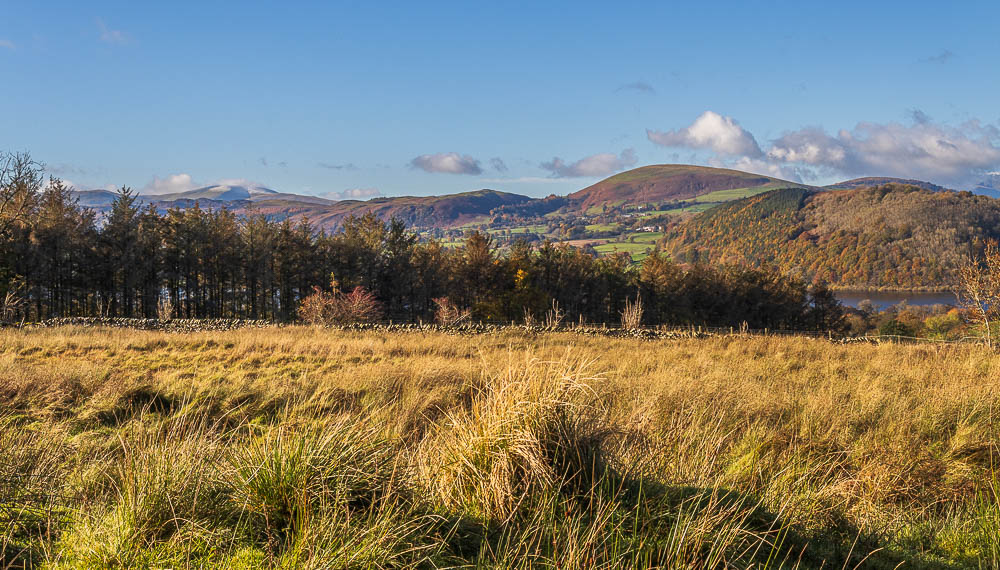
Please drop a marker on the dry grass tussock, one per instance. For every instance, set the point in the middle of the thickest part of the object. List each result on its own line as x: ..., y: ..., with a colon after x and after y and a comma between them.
x: 306, y: 448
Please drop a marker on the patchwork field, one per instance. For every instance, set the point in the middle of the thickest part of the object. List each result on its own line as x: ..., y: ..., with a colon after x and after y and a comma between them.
x: 302, y: 447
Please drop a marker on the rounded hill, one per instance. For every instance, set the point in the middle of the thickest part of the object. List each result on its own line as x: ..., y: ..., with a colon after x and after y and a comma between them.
x: 668, y: 182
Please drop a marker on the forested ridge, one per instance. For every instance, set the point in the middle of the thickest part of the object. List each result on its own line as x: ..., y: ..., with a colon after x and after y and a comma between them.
x: 890, y: 236
x: 57, y: 260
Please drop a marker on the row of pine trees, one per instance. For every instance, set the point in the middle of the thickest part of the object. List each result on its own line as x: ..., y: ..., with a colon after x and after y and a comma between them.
x: 61, y: 259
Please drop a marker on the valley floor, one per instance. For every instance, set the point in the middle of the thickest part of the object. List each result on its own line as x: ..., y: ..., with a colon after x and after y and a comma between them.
x: 302, y: 447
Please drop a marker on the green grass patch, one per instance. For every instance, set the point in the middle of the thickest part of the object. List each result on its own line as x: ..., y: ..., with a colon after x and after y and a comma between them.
x: 602, y: 227
x: 637, y: 251
x: 734, y: 194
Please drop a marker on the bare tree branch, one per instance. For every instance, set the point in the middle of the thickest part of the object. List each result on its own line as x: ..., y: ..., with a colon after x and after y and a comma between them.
x: 978, y: 289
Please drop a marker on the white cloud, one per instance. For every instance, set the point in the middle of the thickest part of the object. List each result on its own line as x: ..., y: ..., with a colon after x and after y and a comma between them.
x: 944, y: 154
x: 765, y: 167
x: 173, y: 183
x: 712, y: 131
x: 941, y: 153
x: 594, y: 165
x: 353, y: 194
x: 809, y: 145
x: 110, y: 36
x: 447, y: 162
x: 6, y: 44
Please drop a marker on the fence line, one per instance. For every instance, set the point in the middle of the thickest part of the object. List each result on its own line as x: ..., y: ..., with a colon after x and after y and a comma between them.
x: 659, y: 332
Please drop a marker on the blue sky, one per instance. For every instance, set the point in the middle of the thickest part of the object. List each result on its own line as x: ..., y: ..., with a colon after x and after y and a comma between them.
x: 365, y: 98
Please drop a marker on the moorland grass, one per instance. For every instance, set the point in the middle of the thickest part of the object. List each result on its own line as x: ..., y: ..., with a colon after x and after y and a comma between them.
x: 309, y: 448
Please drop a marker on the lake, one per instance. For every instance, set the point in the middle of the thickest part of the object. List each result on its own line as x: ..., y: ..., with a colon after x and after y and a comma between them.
x: 884, y: 299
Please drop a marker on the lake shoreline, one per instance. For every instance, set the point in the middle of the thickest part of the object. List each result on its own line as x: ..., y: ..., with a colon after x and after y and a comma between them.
x: 838, y: 289
x: 884, y: 299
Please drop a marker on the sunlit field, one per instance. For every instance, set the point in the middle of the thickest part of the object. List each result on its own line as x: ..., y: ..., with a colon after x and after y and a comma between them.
x: 316, y: 448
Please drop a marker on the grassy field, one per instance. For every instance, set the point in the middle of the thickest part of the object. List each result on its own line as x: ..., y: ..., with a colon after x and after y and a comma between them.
x: 307, y: 448
x: 638, y: 251
x: 645, y: 237
x: 602, y: 227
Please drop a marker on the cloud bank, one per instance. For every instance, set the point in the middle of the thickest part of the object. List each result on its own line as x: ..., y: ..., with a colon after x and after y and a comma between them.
x: 447, y: 162
x: 593, y: 165
x: 173, y: 183
x: 951, y: 155
x: 922, y: 150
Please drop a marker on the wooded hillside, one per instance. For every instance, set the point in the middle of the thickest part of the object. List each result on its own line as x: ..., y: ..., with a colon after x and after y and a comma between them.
x: 891, y: 236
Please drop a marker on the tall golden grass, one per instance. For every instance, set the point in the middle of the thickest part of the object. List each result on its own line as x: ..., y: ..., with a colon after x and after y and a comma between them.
x: 304, y: 447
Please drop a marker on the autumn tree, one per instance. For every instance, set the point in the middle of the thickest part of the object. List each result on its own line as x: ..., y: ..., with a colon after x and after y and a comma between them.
x: 20, y: 185
x: 978, y: 289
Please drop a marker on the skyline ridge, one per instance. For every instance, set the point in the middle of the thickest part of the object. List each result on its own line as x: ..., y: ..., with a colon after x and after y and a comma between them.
x: 359, y: 100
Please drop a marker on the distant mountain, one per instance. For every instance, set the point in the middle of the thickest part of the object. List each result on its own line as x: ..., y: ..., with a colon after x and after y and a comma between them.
x: 668, y: 182
x: 870, y: 181
x: 892, y: 236
x: 231, y: 193
x: 95, y: 199
x: 445, y: 211
x: 449, y: 210
x: 676, y: 184
x: 219, y: 192
x: 990, y: 186
x: 231, y: 197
